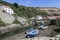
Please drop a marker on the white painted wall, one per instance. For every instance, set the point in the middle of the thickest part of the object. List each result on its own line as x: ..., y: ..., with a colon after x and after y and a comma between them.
x: 8, y: 10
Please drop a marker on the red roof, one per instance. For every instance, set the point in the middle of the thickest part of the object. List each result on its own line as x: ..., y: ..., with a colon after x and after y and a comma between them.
x: 57, y: 16
x: 54, y: 16
x: 6, y: 6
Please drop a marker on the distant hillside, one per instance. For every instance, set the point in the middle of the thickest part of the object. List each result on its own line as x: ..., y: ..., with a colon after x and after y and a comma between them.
x: 24, y: 11
x: 50, y: 10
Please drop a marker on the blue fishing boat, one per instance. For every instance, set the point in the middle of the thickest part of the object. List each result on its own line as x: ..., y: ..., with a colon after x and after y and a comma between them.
x: 31, y: 32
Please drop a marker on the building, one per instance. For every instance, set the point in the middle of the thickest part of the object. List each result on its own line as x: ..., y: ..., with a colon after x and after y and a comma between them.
x: 7, y: 9
x: 39, y: 20
x: 54, y: 19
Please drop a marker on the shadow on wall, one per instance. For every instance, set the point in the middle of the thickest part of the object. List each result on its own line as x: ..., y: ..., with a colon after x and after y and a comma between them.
x: 52, y: 22
x: 57, y: 30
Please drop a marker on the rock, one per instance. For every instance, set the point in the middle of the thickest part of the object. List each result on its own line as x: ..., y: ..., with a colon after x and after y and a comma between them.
x: 22, y: 21
x: 7, y: 18
x: 9, y: 28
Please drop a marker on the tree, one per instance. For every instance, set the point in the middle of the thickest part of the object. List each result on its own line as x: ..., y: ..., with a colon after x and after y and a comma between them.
x: 16, y: 5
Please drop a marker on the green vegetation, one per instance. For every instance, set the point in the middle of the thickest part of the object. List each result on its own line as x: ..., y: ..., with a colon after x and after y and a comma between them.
x: 29, y: 12
x: 16, y: 5
x: 17, y: 31
x: 16, y: 22
x: 2, y: 23
x: 23, y: 10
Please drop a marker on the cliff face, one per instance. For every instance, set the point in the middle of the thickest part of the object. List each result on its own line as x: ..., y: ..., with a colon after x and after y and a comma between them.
x: 6, y: 18
x: 10, y: 19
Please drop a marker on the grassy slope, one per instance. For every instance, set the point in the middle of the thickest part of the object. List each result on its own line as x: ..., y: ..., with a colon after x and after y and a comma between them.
x: 24, y: 11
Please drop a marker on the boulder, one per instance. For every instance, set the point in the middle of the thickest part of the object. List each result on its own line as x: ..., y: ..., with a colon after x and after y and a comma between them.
x: 7, y: 18
x: 23, y: 21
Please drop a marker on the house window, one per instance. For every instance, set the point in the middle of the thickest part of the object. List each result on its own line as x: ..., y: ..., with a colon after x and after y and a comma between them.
x: 8, y: 10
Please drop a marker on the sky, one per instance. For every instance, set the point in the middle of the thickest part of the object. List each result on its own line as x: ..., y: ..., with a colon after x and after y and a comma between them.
x: 37, y: 3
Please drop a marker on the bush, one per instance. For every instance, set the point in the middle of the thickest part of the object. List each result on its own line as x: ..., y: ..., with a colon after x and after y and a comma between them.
x: 16, y: 5
x: 16, y: 22
x: 23, y: 10
x: 2, y: 23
